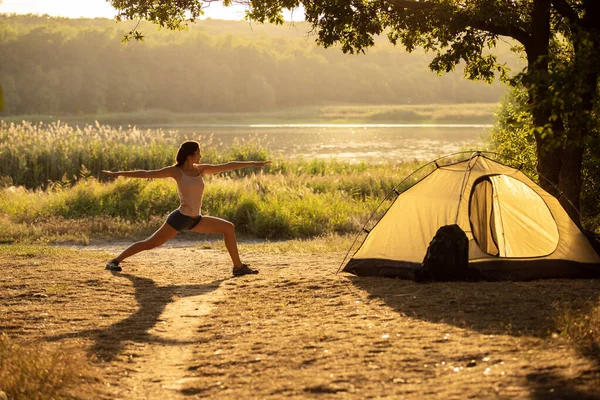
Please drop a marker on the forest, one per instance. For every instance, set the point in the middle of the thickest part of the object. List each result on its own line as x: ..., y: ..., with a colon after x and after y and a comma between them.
x: 80, y: 66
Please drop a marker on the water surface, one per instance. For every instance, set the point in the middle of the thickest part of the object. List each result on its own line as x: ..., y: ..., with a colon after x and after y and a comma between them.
x: 345, y: 142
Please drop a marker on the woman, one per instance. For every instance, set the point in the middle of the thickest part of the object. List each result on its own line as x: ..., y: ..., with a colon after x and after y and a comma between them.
x: 188, y: 172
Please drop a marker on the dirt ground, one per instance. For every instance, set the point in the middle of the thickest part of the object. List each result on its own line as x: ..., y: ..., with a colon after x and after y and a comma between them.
x: 175, y: 325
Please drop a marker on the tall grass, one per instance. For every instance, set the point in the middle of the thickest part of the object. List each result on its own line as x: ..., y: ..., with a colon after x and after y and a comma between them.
x: 277, y: 206
x: 52, y: 178
x: 37, y: 372
x: 39, y: 155
x: 33, y: 155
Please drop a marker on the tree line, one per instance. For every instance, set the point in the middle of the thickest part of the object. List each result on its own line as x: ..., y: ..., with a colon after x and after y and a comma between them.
x: 80, y: 66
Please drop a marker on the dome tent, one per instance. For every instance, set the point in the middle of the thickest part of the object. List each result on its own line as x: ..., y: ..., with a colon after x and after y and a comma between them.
x: 516, y: 230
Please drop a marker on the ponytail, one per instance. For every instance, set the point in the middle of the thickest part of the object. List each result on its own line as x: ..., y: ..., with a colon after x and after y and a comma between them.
x: 186, y: 149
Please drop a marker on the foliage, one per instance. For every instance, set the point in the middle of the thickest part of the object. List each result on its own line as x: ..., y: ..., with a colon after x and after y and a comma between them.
x: 161, y: 12
x: 512, y: 136
x: 56, y: 66
x: 512, y: 133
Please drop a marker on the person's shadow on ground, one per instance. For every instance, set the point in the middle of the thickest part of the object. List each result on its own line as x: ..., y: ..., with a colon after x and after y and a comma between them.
x: 152, y: 300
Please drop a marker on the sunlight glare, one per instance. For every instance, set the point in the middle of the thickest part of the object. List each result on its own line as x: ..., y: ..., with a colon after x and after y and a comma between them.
x: 102, y: 9
x: 60, y: 8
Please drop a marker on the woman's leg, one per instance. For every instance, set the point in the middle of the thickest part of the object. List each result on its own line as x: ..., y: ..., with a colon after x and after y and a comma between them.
x: 227, y: 229
x: 161, y: 236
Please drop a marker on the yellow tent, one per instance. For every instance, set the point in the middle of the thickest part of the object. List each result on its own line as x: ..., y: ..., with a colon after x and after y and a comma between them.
x: 516, y: 230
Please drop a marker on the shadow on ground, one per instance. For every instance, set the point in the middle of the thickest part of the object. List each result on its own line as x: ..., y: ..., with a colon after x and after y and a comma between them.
x: 152, y: 300
x: 531, y: 309
x: 551, y: 386
x: 514, y: 308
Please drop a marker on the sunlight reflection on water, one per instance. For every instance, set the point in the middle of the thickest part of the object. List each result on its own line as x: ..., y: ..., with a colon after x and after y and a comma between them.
x: 348, y: 142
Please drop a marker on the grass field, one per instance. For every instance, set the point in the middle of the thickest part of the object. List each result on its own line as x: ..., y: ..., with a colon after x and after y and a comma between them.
x: 277, y: 206
x: 51, y: 188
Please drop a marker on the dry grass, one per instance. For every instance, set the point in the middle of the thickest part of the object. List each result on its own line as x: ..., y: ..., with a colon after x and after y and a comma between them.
x: 580, y: 323
x: 82, y: 231
x: 40, y: 371
x: 321, y: 244
x: 30, y: 367
x: 174, y: 325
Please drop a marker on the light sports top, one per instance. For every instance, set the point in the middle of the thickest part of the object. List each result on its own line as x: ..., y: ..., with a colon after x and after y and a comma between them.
x: 190, y: 190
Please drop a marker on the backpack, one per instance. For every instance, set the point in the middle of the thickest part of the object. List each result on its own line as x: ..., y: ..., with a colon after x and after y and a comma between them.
x: 447, y: 257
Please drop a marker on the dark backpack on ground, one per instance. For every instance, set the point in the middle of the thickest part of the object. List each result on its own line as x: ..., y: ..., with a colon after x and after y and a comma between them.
x: 447, y: 257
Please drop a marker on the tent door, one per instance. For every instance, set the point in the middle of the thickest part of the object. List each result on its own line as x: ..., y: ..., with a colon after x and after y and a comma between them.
x: 509, y: 219
x: 481, y: 215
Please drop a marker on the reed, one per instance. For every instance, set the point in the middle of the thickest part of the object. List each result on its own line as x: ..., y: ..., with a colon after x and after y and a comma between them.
x: 276, y: 206
x: 41, y: 156
x: 53, y: 188
x: 52, y: 179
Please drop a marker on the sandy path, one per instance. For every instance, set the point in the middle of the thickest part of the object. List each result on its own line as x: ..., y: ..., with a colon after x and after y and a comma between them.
x: 167, y: 364
x: 159, y: 368
x: 175, y: 325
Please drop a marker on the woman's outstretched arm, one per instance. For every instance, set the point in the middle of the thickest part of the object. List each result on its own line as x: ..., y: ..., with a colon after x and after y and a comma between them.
x: 167, y: 172
x: 209, y: 169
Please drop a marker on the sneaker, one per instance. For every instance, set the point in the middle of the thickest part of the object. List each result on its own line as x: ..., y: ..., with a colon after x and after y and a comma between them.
x: 244, y: 270
x: 113, y: 266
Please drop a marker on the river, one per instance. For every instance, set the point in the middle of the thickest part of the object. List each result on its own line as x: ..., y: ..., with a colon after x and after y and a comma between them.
x: 344, y: 142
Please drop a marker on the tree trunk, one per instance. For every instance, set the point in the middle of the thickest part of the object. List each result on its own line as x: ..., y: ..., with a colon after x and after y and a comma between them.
x: 548, y: 134
x: 570, y: 179
x: 586, y: 74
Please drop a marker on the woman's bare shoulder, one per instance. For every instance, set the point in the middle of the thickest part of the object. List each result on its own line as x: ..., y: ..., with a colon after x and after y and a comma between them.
x: 202, y: 167
x: 172, y: 171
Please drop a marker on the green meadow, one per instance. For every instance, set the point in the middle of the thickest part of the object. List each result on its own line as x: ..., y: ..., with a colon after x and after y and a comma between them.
x: 53, y: 189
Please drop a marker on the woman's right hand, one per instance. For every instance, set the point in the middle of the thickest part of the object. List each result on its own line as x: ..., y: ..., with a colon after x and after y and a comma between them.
x: 110, y: 173
x: 261, y: 164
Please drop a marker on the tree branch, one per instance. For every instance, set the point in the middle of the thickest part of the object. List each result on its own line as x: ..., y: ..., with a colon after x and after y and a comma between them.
x: 511, y: 31
x: 566, y: 11
x: 589, y: 22
x: 411, y: 4
x: 487, y: 25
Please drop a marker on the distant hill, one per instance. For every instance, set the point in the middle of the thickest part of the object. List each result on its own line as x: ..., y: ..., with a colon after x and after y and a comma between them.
x: 79, y: 66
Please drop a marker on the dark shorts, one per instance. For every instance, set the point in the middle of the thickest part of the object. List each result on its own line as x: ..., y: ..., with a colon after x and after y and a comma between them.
x: 181, y: 222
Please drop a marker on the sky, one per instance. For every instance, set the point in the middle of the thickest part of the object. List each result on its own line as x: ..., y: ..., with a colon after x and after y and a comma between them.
x: 99, y: 8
